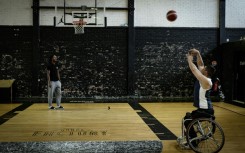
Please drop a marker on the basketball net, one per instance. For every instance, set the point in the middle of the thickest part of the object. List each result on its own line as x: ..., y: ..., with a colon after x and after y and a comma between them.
x: 79, y: 26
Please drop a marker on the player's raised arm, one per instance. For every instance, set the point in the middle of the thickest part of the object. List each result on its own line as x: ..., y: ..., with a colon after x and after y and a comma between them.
x: 195, y: 52
x: 199, y: 74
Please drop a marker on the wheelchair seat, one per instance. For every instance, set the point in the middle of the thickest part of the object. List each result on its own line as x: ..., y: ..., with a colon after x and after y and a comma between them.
x: 201, y: 114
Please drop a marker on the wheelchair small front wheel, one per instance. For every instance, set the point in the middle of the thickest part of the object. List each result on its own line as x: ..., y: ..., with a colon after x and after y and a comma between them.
x: 204, y: 135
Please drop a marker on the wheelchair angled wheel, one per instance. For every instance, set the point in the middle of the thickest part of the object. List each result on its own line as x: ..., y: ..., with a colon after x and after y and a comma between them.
x: 204, y: 135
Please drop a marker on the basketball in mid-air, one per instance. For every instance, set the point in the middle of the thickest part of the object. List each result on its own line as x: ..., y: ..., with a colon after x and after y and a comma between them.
x: 171, y: 15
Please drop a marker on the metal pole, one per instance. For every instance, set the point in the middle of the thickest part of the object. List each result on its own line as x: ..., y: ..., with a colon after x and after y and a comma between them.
x: 131, y: 48
x: 64, y: 11
x: 95, y: 7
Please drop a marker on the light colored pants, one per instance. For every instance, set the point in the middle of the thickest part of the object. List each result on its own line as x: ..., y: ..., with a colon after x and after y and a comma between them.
x: 55, y: 87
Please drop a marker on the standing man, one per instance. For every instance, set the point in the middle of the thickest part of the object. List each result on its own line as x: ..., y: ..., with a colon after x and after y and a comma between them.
x: 54, y: 84
x: 202, y: 88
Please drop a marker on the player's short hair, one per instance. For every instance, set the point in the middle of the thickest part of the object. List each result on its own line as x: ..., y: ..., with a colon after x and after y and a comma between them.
x: 211, y: 70
x: 51, y: 57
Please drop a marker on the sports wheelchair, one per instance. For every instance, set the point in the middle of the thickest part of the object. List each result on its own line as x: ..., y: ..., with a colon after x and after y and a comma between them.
x: 202, y: 135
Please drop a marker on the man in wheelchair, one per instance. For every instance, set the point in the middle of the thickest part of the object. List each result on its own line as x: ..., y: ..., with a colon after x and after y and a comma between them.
x: 202, y: 89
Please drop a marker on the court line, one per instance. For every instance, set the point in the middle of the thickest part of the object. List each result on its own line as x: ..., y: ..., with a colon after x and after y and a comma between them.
x: 5, y: 117
x: 157, y: 127
x: 229, y: 110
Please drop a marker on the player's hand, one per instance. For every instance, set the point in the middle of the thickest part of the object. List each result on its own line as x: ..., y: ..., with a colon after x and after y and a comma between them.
x: 189, y: 57
x: 193, y: 52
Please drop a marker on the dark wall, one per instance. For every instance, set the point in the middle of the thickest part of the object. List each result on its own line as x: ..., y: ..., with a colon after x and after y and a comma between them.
x: 95, y: 64
x: 235, y: 34
x: 92, y: 64
x: 232, y: 74
x: 227, y: 57
x: 16, y: 57
x: 161, y: 66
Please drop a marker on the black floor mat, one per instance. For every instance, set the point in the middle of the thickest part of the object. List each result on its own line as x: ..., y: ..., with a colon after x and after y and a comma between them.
x: 5, y: 117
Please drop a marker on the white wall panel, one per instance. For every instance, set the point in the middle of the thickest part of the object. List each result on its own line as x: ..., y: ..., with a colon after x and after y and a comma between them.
x: 148, y: 13
x: 15, y: 12
x: 235, y: 14
x: 191, y: 13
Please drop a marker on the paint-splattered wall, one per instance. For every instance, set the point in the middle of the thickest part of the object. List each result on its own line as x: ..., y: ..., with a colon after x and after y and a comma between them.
x: 16, y: 57
x: 95, y: 64
x: 92, y: 65
x: 161, y: 65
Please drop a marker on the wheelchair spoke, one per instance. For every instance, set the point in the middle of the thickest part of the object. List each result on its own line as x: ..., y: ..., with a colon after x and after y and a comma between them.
x: 205, y: 136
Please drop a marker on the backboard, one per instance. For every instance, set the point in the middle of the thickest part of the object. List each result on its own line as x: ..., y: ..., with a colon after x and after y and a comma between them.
x: 93, y: 18
x: 91, y: 11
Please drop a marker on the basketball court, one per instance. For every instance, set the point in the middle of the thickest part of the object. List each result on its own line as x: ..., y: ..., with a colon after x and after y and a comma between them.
x: 93, y: 123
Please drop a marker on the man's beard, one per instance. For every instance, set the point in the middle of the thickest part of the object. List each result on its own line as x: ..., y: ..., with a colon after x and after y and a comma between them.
x: 54, y: 61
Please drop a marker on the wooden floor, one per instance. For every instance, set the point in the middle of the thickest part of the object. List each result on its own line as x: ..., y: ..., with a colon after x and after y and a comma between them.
x: 94, y: 121
x: 4, y: 108
x: 230, y: 117
x: 76, y: 122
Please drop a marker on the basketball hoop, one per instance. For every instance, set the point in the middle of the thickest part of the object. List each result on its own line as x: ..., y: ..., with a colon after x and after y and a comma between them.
x: 79, y: 26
